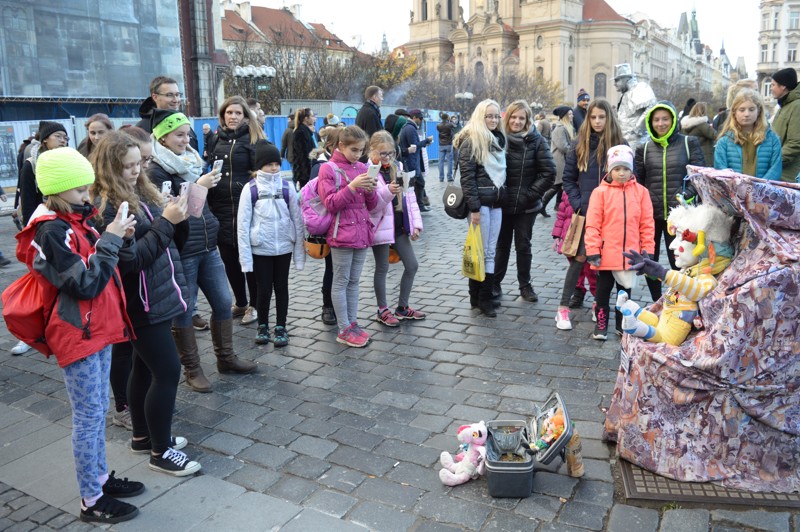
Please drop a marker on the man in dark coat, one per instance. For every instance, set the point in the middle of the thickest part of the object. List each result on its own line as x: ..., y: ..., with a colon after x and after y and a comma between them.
x: 369, y: 116
x: 411, y: 154
x: 164, y: 94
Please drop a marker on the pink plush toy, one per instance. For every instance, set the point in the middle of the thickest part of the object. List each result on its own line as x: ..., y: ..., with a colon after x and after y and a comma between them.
x: 469, y: 464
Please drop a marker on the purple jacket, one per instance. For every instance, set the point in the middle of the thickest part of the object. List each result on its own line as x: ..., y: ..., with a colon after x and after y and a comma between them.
x: 352, y: 227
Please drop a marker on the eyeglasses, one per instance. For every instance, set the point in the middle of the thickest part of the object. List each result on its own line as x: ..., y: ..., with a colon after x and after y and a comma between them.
x: 492, y: 117
x: 60, y: 136
x: 386, y: 153
x: 171, y: 95
x: 147, y: 160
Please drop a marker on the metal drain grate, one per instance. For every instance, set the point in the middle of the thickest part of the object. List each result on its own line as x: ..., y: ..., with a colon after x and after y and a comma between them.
x: 643, y: 484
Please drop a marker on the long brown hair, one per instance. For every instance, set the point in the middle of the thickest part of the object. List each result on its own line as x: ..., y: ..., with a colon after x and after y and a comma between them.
x: 256, y: 133
x: 610, y: 136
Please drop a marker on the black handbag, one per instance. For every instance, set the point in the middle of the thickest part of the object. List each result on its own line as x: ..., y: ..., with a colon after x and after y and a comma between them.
x: 454, y: 204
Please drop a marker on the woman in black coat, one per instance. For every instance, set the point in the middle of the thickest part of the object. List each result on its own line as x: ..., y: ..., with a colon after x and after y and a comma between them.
x: 302, y: 144
x: 530, y: 171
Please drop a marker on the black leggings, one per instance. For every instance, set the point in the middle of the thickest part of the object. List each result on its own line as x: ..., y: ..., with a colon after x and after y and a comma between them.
x: 153, y: 384
x: 272, y: 272
x: 605, y: 283
x: 233, y: 271
x: 120, y: 371
x: 327, y: 282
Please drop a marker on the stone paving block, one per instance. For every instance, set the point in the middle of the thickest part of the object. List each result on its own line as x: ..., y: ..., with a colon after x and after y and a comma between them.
x: 415, y: 454
x: 250, y: 511
x: 342, y: 479
x: 431, y: 423
x: 388, y: 492
x: 625, y: 517
x: 554, y: 484
x: 584, y: 515
x: 61, y: 521
x: 447, y: 509
x: 18, y: 527
x: 293, y: 489
x: 239, y: 425
x: 595, y: 492
x: 470, y: 414
x: 254, y: 478
x: 215, y: 464
x: 267, y: 455
x: 759, y: 519
x: 379, y: 517
x: 307, y: 467
x: 477, y: 491
x: 484, y: 400
x: 274, y: 435
x: 359, y: 407
x: 539, y: 507
x: 281, y: 419
x: 426, y: 525
x: 330, y: 503
x: 244, y: 409
x: 425, y: 478
x: 355, y: 421
x: 45, y: 514
x: 357, y: 438
x: 451, y: 396
x: 203, y: 416
x: 317, y: 427
x: 309, y: 519
x: 597, y: 469
x: 504, y: 521
x: 282, y: 403
x: 315, y: 411
x: 410, y: 389
x: 400, y: 431
x: 367, y: 462
x: 309, y: 445
x: 560, y: 527
x: 227, y: 444
x: 398, y: 415
x: 25, y: 512
x: 685, y: 520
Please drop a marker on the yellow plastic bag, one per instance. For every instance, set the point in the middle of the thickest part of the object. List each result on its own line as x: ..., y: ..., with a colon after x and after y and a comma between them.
x: 472, y: 264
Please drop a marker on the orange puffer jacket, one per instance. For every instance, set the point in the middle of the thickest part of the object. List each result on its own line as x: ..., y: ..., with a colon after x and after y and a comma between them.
x: 620, y: 218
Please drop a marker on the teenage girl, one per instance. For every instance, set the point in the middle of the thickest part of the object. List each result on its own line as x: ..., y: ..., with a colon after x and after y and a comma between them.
x: 397, y: 224
x: 349, y: 194
x: 97, y: 127
x: 270, y: 230
x: 76, y: 269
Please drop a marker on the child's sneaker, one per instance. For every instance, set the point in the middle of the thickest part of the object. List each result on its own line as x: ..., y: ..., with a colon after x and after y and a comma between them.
x: 174, y: 463
x: 601, y: 329
x: 562, y: 319
x: 594, y: 309
x: 351, y: 337
x: 145, y: 446
x: 386, y: 317
x: 107, y: 509
x: 281, y: 338
x: 361, y: 332
x: 409, y: 313
x: 262, y: 336
x: 121, y: 487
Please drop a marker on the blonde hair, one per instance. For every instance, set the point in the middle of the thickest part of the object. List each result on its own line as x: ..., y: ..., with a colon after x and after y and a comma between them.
x: 759, y: 131
x: 567, y: 123
x: 256, y: 133
x: 352, y: 135
x: 699, y: 109
x: 513, y: 107
x: 56, y: 204
x: 476, y: 132
x: 379, y: 138
x: 610, y: 136
x: 734, y: 89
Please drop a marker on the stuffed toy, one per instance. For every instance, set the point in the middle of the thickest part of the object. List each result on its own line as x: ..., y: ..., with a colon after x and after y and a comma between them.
x: 472, y: 461
x: 702, y: 250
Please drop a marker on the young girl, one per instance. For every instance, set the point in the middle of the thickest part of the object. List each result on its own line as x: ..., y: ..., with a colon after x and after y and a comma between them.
x: 155, y: 288
x: 587, y: 274
x: 349, y: 194
x: 620, y: 218
x: 397, y: 223
x: 583, y: 171
x: 270, y: 229
x: 77, y: 271
x: 482, y: 160
x: 746, y: 143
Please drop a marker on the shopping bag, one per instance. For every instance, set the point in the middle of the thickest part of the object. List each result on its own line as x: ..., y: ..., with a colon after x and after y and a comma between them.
x: 472, y: 265
x: 573, y: 237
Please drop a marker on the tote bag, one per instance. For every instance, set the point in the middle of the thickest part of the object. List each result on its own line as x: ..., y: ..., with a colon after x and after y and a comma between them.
x: 572, y: 239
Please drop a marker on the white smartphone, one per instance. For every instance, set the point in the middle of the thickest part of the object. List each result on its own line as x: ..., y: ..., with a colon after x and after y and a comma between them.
x: 373, y: 170
x: 123, y: 209
x: 184, y: 188
x: 166, y: 188
x: 217, y: 165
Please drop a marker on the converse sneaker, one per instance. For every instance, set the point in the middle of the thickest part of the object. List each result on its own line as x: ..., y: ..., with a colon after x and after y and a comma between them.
x: 409, y: 313
x: 562, y: 319
x: 281, y: 338
x: 145, y: 446
x: 121, y: 487
x: 174, y: 463
x: 107, y: 510
x: 262, y: 336
x: 601, y: 329
x: 250, y: 316
x: 348, y: 336
x: 123, y: 419
x: 386, y: 317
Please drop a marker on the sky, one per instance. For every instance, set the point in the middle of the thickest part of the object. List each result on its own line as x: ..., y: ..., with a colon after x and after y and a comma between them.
x: 363, y: 26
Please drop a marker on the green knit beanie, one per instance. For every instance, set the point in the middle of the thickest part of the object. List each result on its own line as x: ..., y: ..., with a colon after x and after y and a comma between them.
x: 62, y: 169
x: 166, y: 121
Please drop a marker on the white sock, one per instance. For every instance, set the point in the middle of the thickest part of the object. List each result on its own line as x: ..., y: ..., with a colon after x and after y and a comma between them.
x: 634, y: 327
x: 633, y: 307
x: 88, y: 502
x: 622, y: 298
x: 102, y: 479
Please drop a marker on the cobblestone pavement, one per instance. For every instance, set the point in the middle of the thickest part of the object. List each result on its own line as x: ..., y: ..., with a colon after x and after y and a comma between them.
x: 332, y: 438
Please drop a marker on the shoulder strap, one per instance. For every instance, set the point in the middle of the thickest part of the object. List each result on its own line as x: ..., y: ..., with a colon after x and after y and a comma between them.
x: 686, y: 145
x: 285, y: 190
x: 253, y: 191
x: 644, y: 155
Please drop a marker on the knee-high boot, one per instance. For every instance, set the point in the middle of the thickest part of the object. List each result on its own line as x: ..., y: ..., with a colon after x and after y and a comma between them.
x: 227, y: 361
x: 186, y: 343
x: 485, y: 296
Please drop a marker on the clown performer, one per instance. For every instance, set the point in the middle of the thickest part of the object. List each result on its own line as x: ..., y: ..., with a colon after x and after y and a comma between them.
x: 702, y: 250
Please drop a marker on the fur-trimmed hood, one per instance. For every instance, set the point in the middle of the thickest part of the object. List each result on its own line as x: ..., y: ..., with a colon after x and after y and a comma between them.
x: 688, y: 122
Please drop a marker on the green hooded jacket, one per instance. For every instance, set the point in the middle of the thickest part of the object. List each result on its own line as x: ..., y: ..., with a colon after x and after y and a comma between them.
x: 786, y: 125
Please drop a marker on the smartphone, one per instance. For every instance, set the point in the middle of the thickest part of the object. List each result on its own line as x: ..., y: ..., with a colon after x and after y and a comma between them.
x: 166, y: 188
x: 184, y: 188
x: 123, y: 209
x: 373, y: 170
x: 217, y: 165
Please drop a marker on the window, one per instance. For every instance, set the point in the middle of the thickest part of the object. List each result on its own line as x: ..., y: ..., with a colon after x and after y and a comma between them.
x: 764, y: 52
x: 291, y: 59
x: 540, y: 72
x: 766, y: 90
x: 775, y: 20
x: 765, y: 21
x: 449, y: 9
x: 774, y: 52
x: 791, y: 56
x: 600, y: 85
x: 424, y: 10
x: 569, y: 76
x: 794, y: 20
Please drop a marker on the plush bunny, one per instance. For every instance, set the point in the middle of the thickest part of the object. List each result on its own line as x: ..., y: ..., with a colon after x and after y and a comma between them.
x: 472, y: 461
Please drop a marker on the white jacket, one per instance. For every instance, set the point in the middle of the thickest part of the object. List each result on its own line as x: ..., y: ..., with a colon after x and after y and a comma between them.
x: 272, y: 226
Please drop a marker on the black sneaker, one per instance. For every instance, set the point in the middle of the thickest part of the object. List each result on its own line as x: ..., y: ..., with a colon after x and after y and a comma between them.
x: 528, y: 294
x: 121, y: 487
x: 107, y: 509
x: 4, y: 261
x: 281, y: 338
x: 576, y: 301
x: 601, y: 327
x: 262, y: 336
x: 174, y: 463
x: 145, y: 446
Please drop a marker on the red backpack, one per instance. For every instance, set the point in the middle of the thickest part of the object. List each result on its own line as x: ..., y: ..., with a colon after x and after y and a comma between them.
x: 24, y: 313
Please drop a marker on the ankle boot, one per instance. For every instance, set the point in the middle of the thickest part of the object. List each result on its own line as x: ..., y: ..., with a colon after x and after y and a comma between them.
x: 485, y: 296
x: 474, y: 287
x: 227, y: 361
x: 186, y: 343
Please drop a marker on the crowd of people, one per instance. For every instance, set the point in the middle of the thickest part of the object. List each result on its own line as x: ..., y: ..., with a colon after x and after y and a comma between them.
x: 136, y: 221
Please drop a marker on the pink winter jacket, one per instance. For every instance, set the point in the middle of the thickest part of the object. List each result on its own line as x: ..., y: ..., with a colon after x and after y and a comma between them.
x: 383, y: 218
x: 352, y: 227
x: 563, y: 219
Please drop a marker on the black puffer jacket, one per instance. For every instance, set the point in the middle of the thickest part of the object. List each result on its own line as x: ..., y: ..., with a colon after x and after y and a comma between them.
x: 152, y: 273
x: 203, y: 231
x: 530, y: 171
x: 478, y: 188
x: 660, y: 163
x: 238, y: 160
x: 302, y: 144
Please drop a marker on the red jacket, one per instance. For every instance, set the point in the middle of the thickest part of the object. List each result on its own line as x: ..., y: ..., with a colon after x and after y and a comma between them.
x: 82, y: 293
x: 620, y: 218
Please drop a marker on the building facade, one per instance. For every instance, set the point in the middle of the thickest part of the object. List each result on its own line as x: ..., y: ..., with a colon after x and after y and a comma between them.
x: 778, y: 39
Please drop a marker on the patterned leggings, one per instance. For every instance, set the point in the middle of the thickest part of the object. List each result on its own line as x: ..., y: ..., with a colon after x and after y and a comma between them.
x: 87, y: 387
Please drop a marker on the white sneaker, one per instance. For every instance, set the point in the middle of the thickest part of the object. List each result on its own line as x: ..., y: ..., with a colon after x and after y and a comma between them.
x: 20, y: 348
x: 562, y: 320
x: 250, y: 316
x: 594, y: 316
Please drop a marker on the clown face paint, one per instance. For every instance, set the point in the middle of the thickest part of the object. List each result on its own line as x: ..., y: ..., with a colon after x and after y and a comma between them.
x: 683, y: 252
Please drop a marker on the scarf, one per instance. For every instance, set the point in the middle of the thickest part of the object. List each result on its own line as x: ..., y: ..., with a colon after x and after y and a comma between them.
x: 188, y: 166
x: 495, y: 163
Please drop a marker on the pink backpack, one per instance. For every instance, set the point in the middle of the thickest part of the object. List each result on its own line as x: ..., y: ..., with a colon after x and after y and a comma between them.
x: 316, y: 217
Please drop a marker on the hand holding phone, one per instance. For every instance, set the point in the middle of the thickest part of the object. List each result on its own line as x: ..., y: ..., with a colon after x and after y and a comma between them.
x: 166, y: 189
x: 373, y: 170
x: 123, y: 210
x: 217, y: 166
x: 184, y: 188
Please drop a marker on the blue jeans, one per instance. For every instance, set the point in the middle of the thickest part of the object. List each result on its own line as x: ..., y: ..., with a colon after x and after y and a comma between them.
x: 491, y: 220
x: 446, y: 154
x: 87, y: 387
x: 207, y: 272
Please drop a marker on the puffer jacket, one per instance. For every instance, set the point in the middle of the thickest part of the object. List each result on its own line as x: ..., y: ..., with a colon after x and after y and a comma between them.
x: 578, y: 185
x: 620, y: 218
x: 786, y: 125
x: 302, y: 144
x: 728, y: 154
x: 478, y: 188
x: 530, y: 171
x: 29, y: 197
x: 559, y: 146
x: 76, y: 268
x: 202, y: 236
x: 272, y: 226
x: 387, y: 220
x: 238, y: 160
x: 152, y: 272
x: 660, y: 163
x: 352, y: 227
x: 698, y: 126
x: 563, y: 220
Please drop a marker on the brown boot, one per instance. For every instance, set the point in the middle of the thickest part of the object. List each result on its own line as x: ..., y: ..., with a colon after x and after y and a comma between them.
x: 190, y: 359
x: 227, y: 361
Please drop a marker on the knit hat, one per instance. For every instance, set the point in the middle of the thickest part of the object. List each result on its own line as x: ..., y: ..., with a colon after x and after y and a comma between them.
x: 415, y: 113
x: 786, y: 77
x: 561, y: 111
x: 332, y: 119
x: 62, y: 169
x: 583, y: 95
x: 401, y: 112
x: 621, y: 155
x: 394, y: 124
x: 266, y: 152
x: 47, y: 128
x: 164, y: 121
